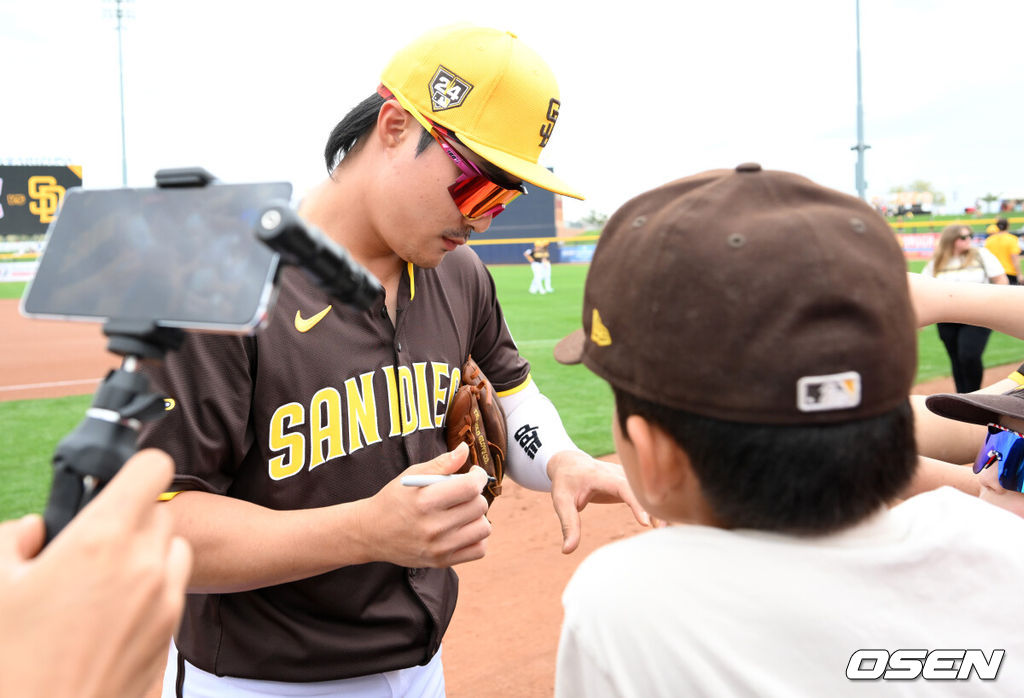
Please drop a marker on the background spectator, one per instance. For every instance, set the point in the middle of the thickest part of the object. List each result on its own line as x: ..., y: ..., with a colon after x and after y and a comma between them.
x: 957, y: 260
x: 1006, y: 247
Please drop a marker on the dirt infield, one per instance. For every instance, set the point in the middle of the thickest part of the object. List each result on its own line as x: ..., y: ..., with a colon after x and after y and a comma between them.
x: 504, y: 635
x: 46, y: 358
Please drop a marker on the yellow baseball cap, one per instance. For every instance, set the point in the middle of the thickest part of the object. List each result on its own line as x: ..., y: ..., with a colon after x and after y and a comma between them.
x: 495, y: 93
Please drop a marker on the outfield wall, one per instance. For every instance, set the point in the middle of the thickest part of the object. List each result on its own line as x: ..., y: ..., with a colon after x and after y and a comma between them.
x: 515, y: 231
x: 530, y: 218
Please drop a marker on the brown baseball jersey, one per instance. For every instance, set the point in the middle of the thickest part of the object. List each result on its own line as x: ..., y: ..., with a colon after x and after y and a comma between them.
x: 327, y: 405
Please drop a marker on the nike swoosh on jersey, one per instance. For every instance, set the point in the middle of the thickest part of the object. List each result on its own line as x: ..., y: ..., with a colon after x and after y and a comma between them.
x: 304, y: 325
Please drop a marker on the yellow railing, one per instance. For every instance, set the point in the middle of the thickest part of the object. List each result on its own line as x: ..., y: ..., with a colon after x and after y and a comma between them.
x: 959, y: 221
x: 529, y: 241
x: 1015, y: 222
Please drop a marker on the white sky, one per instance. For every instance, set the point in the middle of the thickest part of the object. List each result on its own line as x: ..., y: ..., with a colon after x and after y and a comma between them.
x: 651, y: 90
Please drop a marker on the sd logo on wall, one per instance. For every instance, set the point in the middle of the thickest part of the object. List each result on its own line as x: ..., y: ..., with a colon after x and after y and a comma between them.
x: 30, y: 196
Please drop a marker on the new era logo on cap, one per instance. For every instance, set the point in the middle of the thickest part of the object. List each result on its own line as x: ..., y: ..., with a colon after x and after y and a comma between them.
x: 599, y: 334
x: 447, y: 90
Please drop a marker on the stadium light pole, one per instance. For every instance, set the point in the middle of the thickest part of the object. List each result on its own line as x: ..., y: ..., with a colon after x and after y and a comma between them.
x: 122, y: 13
x: 861, y: 146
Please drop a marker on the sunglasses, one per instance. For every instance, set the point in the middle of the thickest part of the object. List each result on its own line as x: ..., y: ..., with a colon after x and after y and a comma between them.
x: 474, y: 193
x: 966, y: 237
x: 1005, y: 447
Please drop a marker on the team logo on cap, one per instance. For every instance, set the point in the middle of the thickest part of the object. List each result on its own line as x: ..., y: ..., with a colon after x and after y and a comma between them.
x: 839, y: 391
x: 447, y: 90
x: 549, y: 126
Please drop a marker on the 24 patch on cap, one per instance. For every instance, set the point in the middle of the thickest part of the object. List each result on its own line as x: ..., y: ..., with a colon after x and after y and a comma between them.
x: 447, y: 90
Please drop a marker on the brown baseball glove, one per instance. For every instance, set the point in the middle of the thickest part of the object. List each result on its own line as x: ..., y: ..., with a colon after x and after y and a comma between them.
x: 476, y: 418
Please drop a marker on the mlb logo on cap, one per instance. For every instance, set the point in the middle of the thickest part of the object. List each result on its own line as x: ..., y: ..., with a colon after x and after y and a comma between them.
x: 836, y: 392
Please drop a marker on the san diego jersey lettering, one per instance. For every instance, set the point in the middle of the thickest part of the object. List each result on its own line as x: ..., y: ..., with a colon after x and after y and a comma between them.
x: 344, y: 421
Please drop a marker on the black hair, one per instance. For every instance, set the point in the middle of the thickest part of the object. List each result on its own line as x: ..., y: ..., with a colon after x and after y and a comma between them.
x: 1002, y: 223
x: 803, y: 479
x: 348, y: 134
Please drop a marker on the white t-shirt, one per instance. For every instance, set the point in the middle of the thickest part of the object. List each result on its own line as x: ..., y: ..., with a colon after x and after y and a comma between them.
x: 974, y: 273
x: 698, y: 611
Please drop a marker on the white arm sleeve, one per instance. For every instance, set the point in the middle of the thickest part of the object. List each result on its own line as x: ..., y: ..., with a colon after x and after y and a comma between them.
x: 535, y: 433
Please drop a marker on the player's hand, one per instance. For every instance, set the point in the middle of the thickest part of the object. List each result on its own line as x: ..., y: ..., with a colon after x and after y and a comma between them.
x: 93, y: 613
x: 439, y: 525
x: 576, y: 480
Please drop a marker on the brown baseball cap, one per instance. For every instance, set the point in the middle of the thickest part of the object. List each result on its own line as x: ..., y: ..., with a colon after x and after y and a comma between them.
x: 978, y: 408
x: 750, y: 295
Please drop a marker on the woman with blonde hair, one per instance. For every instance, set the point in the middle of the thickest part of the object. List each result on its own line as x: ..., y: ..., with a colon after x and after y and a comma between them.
x: 956, y: 259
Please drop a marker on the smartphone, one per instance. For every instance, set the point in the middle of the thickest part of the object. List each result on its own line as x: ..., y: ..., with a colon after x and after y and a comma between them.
x: 184, y: 257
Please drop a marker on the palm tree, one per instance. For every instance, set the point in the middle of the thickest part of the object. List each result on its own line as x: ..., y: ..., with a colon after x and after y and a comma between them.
x: 926, y: 187
x: 989, y: 199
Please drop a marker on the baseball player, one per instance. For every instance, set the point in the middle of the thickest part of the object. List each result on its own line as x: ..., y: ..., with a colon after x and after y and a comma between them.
x: 539, y: 258
x: 316, y: 571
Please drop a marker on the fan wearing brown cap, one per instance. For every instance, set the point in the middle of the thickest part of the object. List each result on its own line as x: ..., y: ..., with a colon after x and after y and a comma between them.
x: 761, y: 367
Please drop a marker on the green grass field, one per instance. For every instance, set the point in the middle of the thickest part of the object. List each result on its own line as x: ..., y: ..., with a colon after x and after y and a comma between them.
x: 30, y: 429
x: 12, y: 289
x: 29, y: 432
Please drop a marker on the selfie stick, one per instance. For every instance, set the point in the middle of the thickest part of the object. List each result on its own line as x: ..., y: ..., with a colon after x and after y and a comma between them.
x: 86, y: 459
x: 325, y: 262
x: 89, y: 457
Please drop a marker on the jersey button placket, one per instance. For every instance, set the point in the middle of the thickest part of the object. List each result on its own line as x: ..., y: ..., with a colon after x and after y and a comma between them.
x: 398, y: 330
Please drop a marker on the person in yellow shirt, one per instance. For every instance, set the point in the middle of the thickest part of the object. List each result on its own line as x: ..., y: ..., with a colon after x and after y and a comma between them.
x: 1005, y: 246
